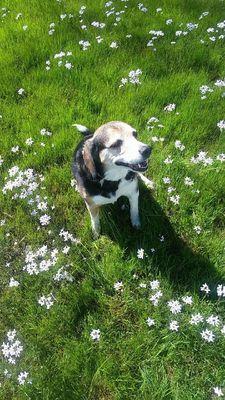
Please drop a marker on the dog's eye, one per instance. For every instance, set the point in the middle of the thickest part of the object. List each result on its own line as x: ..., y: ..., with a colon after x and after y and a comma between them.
x: 134, y: 133
x: 116, y: 144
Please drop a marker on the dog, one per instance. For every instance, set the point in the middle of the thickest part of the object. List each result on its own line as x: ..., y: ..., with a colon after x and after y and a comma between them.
x: 106, y: 165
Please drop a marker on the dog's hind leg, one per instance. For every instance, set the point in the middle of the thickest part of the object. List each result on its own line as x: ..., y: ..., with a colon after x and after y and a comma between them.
x: 95, y: 221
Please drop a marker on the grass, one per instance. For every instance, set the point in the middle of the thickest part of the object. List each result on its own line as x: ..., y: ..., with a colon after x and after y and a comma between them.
x: 131, y: 360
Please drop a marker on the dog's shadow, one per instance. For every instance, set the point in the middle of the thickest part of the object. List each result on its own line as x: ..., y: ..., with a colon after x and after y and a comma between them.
x: 166, y: 253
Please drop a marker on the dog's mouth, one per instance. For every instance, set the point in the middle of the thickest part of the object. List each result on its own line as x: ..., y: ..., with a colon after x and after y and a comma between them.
x: 135, y: 167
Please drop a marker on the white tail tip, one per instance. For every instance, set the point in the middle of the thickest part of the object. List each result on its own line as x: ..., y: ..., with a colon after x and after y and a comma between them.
x: 81, y: 128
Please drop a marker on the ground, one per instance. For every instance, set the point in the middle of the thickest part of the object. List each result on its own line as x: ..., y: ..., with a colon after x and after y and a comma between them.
x: 133, y: 314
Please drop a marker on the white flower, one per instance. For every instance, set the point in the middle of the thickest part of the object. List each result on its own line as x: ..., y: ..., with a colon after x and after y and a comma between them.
x: 170, y: 107
x: 155, y: 297
x: 174, y: 326
x: 223, y: 330
x: 7, y: 373
x: 208, y: 335
x: 62, y: 275
x: 15, y: 149
x: 84, y: 44
x: 123, y: 81
x: 1, y: 160
x: 42, y: 205
x: 220, y: 83
x: 25, y: 27
x: 179, y: 145
x: 205, y: 288
x: 134, y: 76
x: 221, y: 157
x: 114, y: 45
x: 221, y: 290
x: 213, y: 320
x: 99, y: 39
x: 65, y: 249
x: 166, y: 180
x: 175, y: 199
x: 191, y: 26
x: 29, y: 141
x: 68, y: 236
x: 188, y: 181
x: 142, y: 8
x: 197, y: 229
x: 168, y: 160
x: 174, y: 306
x: 45, y: 132
x: 221, y: 125
x: 205, y: 89
x: 44, y: 219
x: 150, y: 322
x: 19, y: 15
x: 82, y: 9
x: 204, y: 14
x: 171, y: 189
x: 218, y: 391
x: 13, y: 283
x: 118, y: 286
x: 46, y: 301
x: 196, y: 319
x: 22, y: 377
x: 154, y: 284
x: 11, y: 350
x: 68, y: 65
x: 187, y: 300
x: 95, y: 334
x: 140, y: 253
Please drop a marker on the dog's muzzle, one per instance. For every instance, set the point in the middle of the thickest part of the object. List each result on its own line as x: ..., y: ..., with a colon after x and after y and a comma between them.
x: 135, y: 167
x: 143, y: 165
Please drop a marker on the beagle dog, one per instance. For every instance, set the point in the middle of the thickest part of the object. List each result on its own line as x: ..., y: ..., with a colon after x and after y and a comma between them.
x: 107, y: 165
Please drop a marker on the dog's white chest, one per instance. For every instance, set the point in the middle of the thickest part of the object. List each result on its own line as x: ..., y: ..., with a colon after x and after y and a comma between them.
x: 125, y: 188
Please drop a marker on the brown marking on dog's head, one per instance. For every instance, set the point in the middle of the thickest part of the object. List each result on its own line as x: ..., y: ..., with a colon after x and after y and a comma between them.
x: 114, y: 145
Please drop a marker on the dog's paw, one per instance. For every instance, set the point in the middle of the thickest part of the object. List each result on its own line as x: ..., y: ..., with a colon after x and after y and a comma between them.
x: 136, y: 223
x: 150, y: 184
x: 96, y: 234
x: 137, y: 226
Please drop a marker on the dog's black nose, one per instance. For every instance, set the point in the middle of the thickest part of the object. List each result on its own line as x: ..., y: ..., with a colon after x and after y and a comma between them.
x: 145, y: 151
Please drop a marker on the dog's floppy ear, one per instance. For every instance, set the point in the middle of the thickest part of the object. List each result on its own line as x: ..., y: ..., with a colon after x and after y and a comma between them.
x: 91, y: 158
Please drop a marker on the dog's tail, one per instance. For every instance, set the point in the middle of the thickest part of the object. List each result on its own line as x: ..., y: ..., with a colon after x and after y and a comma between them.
x: 83, y: 129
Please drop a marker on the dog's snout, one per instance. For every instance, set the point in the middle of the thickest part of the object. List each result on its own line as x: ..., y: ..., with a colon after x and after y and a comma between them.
x: 145, y: 151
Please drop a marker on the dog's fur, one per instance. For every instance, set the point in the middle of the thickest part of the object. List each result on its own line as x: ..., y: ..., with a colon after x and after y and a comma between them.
x: 106, y: 165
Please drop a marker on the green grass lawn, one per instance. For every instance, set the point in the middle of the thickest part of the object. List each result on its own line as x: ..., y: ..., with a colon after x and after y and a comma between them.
x: 182, y: 235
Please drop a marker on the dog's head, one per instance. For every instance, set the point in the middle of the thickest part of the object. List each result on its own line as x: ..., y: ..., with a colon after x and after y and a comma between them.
x: 114, y: 146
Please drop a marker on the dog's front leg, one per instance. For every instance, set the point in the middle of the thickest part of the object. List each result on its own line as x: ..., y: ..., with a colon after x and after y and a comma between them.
x: 134, y: 211
x: 95, y: 222
x: 148, y: 182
